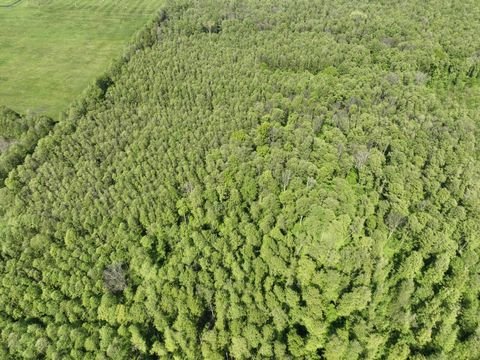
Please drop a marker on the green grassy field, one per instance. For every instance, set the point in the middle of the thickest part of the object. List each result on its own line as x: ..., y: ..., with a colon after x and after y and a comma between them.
x: 51, y: 50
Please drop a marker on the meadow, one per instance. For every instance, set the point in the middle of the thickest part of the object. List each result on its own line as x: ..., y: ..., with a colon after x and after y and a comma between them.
x: 51, y: 50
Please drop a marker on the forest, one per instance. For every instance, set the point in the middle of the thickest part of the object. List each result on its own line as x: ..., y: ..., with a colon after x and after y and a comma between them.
x: 275, y: 179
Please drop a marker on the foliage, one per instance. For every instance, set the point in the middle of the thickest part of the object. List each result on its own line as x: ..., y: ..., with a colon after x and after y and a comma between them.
x: 278, y: 179
x: 19, y: 136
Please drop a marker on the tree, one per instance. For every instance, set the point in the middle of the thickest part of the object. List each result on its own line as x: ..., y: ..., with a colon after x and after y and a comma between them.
x: 114, y: 278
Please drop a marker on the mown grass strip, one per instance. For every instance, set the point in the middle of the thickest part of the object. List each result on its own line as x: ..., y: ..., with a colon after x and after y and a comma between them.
x: 12, y: 4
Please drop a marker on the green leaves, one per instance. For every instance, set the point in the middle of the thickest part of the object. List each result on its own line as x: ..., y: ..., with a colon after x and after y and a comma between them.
x: 269, y: 179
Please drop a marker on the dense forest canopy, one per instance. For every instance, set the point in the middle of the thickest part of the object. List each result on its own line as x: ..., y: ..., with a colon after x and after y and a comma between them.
x: 257, y: 179
x: 18, y: 137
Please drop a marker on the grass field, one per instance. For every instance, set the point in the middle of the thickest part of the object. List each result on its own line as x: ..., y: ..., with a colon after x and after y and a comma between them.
x: 50, y: 50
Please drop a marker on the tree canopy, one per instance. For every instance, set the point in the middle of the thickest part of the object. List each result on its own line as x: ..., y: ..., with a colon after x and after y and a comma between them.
x: 274, y: 179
